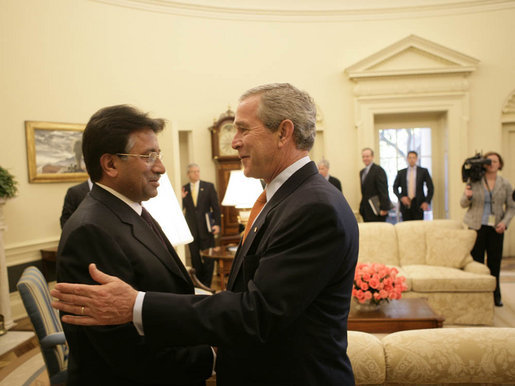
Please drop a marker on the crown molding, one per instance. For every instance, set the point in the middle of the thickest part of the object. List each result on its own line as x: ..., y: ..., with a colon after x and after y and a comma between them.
x: 313, y: 10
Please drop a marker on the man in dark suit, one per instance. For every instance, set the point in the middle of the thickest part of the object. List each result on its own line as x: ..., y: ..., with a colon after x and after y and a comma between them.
x: 73, y: 198
x: 323, y: 169
x: 198, y: 199
x: 411, y: 195
x: 112, y: 229
x: 374, y: 184
x: 283, y: 320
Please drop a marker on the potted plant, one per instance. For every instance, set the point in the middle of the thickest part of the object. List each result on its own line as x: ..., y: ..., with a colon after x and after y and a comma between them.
x: 8, y: 184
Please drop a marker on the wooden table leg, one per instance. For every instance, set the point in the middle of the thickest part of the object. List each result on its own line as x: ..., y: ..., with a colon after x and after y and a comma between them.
x: 221, y: 273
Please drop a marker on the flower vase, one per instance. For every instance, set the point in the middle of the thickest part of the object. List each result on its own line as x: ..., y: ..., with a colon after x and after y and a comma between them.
x: 367, y: 306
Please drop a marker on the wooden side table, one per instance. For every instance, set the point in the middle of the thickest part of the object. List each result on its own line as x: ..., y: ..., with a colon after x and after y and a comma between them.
x: 224, y: 257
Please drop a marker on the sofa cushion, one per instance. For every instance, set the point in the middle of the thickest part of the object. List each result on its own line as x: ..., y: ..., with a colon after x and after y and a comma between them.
x: 366, y: 355
x: 412, y: 242
x: 451, y: 355
x: 411, y: 236
x: 428, y: 278
x: 378, y: 243
x: 449, y: 247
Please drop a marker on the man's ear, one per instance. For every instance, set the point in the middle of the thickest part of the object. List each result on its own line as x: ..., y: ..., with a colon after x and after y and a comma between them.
x: 285, y: 131
x: 108, y: 163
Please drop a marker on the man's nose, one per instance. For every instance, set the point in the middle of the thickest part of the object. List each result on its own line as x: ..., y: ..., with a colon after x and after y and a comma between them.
x: 236, y: 142
x: 158, y: 167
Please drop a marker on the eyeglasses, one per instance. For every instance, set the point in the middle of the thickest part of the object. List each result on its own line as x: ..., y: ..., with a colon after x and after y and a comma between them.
x: 149, y: 158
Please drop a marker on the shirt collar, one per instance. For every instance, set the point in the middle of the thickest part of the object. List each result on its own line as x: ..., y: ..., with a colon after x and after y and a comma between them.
x: 282, y: 177
x: 136, y: 206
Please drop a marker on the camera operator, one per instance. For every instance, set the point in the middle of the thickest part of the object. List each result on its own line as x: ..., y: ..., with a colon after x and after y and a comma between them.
x: 490, y: 209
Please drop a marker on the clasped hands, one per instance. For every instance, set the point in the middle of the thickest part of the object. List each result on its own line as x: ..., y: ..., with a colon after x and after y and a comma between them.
x: 109, y: 303
x: 406, y: 201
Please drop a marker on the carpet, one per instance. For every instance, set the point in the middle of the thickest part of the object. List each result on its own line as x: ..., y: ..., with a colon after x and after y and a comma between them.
x: 27, y: 370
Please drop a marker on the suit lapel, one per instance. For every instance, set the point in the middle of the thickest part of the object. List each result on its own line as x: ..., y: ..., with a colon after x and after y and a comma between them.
x: 201, y: 192
x: 371, y: 171
x: 188, y: 198
x: 142, y: 232
x: 418, y: 180
x: 284, y: 191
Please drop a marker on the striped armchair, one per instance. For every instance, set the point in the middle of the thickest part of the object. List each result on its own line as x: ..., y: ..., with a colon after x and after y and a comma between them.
x: 36, y: 298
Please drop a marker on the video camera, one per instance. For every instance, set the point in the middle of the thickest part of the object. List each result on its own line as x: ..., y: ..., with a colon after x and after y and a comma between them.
x: 473, y: 168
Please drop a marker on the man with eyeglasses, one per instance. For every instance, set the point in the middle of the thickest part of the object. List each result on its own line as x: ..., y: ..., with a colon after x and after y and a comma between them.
x: 283, y: 318
x: 113, y: 230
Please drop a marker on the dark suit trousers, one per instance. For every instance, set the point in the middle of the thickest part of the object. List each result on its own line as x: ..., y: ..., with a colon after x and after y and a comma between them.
x: 203, y: 267
x: 414, y: 212
x: 368, y: 215
x: 490, y: 241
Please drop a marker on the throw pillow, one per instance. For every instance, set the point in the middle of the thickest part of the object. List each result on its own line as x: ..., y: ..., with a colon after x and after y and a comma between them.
x: 449, y: 247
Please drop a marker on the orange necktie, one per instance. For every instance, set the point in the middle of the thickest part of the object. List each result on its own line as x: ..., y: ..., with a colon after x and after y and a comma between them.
x: 258, y: 205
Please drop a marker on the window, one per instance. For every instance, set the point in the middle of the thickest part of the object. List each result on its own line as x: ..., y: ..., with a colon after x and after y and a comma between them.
x: 394, y: 145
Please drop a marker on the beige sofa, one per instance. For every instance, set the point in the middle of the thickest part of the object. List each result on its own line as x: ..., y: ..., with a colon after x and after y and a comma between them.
x: 470, y: 355
x: 434, y: 256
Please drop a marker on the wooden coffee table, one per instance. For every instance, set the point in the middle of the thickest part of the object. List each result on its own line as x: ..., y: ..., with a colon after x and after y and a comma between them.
x: 397, y: 315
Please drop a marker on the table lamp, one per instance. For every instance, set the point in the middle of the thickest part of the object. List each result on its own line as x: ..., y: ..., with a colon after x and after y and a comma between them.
x: 242, y: 192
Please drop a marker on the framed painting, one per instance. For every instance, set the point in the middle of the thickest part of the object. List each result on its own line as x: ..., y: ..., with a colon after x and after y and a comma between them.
x: 54, y: 152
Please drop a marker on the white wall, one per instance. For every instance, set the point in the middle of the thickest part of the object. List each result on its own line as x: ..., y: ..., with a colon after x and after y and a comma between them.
x: 61, y: 60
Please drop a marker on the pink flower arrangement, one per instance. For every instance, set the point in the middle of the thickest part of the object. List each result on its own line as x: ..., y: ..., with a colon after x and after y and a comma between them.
x: 376, y: 282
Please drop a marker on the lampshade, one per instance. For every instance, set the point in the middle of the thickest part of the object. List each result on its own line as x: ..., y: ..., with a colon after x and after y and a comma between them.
x: 166, y: 211
x: 242, y: 192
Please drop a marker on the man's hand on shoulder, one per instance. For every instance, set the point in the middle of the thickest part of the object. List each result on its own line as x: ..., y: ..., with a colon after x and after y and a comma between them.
x: 109, y: 303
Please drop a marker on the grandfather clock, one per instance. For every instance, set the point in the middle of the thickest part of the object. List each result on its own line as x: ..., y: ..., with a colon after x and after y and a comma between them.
x: 226, y: 159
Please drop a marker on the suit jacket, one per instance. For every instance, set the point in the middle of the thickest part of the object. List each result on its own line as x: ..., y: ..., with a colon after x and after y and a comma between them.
x: 283, y: 320
x: 375, y: 184
x: 336, y: 182
x: 106, y: 231
x: 73, y: 198
x: 422, y: 177
x: 503, y: 205
x: 207, y: 201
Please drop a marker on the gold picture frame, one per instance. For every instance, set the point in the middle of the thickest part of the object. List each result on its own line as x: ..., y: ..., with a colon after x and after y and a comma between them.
x: 54, y: 152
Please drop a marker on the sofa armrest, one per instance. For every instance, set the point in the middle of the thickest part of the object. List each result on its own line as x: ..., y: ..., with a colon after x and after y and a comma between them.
x: 475, y: 267
x: 366, y: 354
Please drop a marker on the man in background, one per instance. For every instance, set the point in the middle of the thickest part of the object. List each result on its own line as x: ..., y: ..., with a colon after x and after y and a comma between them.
x: 323, y: 169
x: 202, y: 212
x: 409, y: 189
x: 375, y: 202
x: 113, y: 230
x: 283, y: 319
x: 73, y: 198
